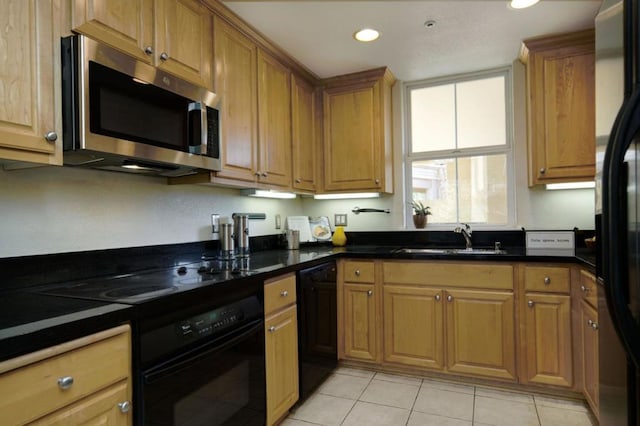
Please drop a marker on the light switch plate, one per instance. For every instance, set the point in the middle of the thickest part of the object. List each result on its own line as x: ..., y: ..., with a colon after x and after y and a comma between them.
x: 340, y: 219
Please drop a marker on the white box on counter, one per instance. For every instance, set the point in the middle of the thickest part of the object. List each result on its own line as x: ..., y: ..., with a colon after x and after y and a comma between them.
x: 550, y: 243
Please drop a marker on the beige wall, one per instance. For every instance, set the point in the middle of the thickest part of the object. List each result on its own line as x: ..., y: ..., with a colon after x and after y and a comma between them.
x: 55, y: 209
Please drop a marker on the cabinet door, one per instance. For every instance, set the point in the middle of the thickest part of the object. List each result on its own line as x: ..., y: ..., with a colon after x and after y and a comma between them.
x: 548, y: 339
x: 183, y: 37
x: 480, y: 333
x: 303, y: 132
x: 413, y: 326
x: 123, y: 24
x: 235, y: 82
x: 29, y: 82
x: 589, y: 335
x: 353, y: 143
x: 111, y: 406
x: 281, y: 347
x: 561, y: 78
x: 274, y: 112
x: 360, y: 322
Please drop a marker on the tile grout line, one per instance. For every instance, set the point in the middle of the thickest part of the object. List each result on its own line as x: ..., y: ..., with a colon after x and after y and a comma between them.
x: 414, y: 402
x: 535, y: 404
x: 358, y: 399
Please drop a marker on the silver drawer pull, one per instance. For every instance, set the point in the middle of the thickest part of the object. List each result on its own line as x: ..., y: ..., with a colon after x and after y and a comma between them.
x: 547, y: 280
x: 65, y: 383
x: 449, y: 298
x: 272, y: 329
x: 530, y: 303
x: 284, y: 293
x: 124, y: 406
x: 357, y: 272
x: 437, y: 297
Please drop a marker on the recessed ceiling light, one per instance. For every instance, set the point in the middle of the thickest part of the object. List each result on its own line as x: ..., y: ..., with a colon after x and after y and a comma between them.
x: 521, y: 4
x: 366, y: 34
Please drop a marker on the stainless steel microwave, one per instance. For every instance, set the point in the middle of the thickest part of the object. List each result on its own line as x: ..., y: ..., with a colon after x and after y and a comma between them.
x: 122, y: 114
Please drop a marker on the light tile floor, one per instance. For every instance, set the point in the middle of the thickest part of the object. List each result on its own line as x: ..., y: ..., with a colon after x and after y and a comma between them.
x: 356, y: 397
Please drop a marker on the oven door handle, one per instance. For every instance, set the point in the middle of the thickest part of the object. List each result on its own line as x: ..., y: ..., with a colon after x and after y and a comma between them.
x: 183, y: 361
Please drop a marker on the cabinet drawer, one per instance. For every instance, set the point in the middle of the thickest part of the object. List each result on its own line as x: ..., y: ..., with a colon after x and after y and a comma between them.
x: 279, y: 293
x: 33, y: 390
x: 588, y: 288
x: 549, y: 279
x: 358, y: 272
x: 455, y: 274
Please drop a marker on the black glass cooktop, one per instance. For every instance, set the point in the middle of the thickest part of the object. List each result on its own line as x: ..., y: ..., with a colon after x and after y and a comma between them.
x: 146, y: 285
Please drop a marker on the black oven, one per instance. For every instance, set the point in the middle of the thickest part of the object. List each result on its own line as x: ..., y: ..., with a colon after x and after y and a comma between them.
x: 206, y: 369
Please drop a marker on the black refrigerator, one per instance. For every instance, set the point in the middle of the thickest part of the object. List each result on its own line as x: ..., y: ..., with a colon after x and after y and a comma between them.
x: 617, y: 215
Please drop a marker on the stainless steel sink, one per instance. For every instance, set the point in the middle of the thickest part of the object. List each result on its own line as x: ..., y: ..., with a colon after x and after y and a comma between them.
x: 450, y: 251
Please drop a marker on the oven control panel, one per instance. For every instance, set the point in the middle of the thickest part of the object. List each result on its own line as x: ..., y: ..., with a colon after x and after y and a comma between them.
x: 210, y: 322
x: 190, y: 332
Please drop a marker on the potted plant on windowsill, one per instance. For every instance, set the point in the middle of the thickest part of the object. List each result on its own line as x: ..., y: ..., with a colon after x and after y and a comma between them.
x: 420, y: 213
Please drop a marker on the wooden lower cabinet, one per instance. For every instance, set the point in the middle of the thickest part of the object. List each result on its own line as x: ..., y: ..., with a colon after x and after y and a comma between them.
x: 102, y: 408
x: 480, y: 333
x: 360, y: 322
x: 84, y: 381
x: 589, y: 339
x: 413, y: 326
x: 547, y: 334
x: 281, y: 346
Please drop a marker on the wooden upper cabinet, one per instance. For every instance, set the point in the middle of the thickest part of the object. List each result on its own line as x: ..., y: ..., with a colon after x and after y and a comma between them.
x: 357, y: 132
x: 303, y: 135
x: 274, y: 131
x: 561, y: 107
x: 184, y: 45
x: 30, y: 82
x: 235, y: 82
x: 127, y: 25
x: 174, y: 35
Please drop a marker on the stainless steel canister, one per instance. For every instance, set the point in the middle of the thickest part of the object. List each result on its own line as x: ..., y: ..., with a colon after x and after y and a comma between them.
x: 241, y: 232
x: 293, y: 239
x: 226, y: 241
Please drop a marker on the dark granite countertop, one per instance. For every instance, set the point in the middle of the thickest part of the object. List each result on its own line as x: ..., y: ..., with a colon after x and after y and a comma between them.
x: 31, y: 321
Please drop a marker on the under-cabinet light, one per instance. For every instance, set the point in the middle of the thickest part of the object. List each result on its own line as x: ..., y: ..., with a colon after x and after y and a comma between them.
x: 522, y: 4
x: 346, y: 196
x: 571, y: 185
x: 267, y: 194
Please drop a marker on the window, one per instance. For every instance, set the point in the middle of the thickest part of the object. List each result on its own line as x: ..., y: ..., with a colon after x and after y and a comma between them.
x: 459, y: 156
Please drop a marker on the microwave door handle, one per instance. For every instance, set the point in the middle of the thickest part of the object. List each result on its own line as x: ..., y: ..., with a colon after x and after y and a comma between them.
x: 197, y: 116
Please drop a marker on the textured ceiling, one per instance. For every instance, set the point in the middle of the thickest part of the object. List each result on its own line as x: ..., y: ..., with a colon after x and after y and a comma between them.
x: 468, y: 36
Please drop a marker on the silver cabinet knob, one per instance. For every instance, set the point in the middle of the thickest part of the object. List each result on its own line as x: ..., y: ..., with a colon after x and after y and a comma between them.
x: 148, y: 50
x: 437, y: 297
x: 284, y: 293
x: 357, y: 272
x: 547, y: 280
x: 298, y: 180
x: 594, y: 325
x: 257, y: 174
x: 272, y: 329
x: 449, y: 298
x: 370, y: 293
x: 589, y: 322
x: 583, y: 289
x: 65, y: 383
x: 124, y: 406
x: 377, y: 181
x: 530, y: 303
x: 51, y: 136
x: 542, y: 170
x: 264, y: 174
x: 164, y: 56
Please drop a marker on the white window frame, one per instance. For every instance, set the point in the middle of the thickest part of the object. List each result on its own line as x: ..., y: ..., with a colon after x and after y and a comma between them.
x: 507, y: 149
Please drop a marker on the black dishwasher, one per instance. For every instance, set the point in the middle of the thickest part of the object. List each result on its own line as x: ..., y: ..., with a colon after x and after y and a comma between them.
x: 317, y: 326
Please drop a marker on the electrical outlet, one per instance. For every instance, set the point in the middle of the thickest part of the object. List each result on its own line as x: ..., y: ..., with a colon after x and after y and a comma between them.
x: 340, y: 219
x: 278, y: 222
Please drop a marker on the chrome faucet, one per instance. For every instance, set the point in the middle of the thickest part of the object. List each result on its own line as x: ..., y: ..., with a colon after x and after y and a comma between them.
x: 465, y: 230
